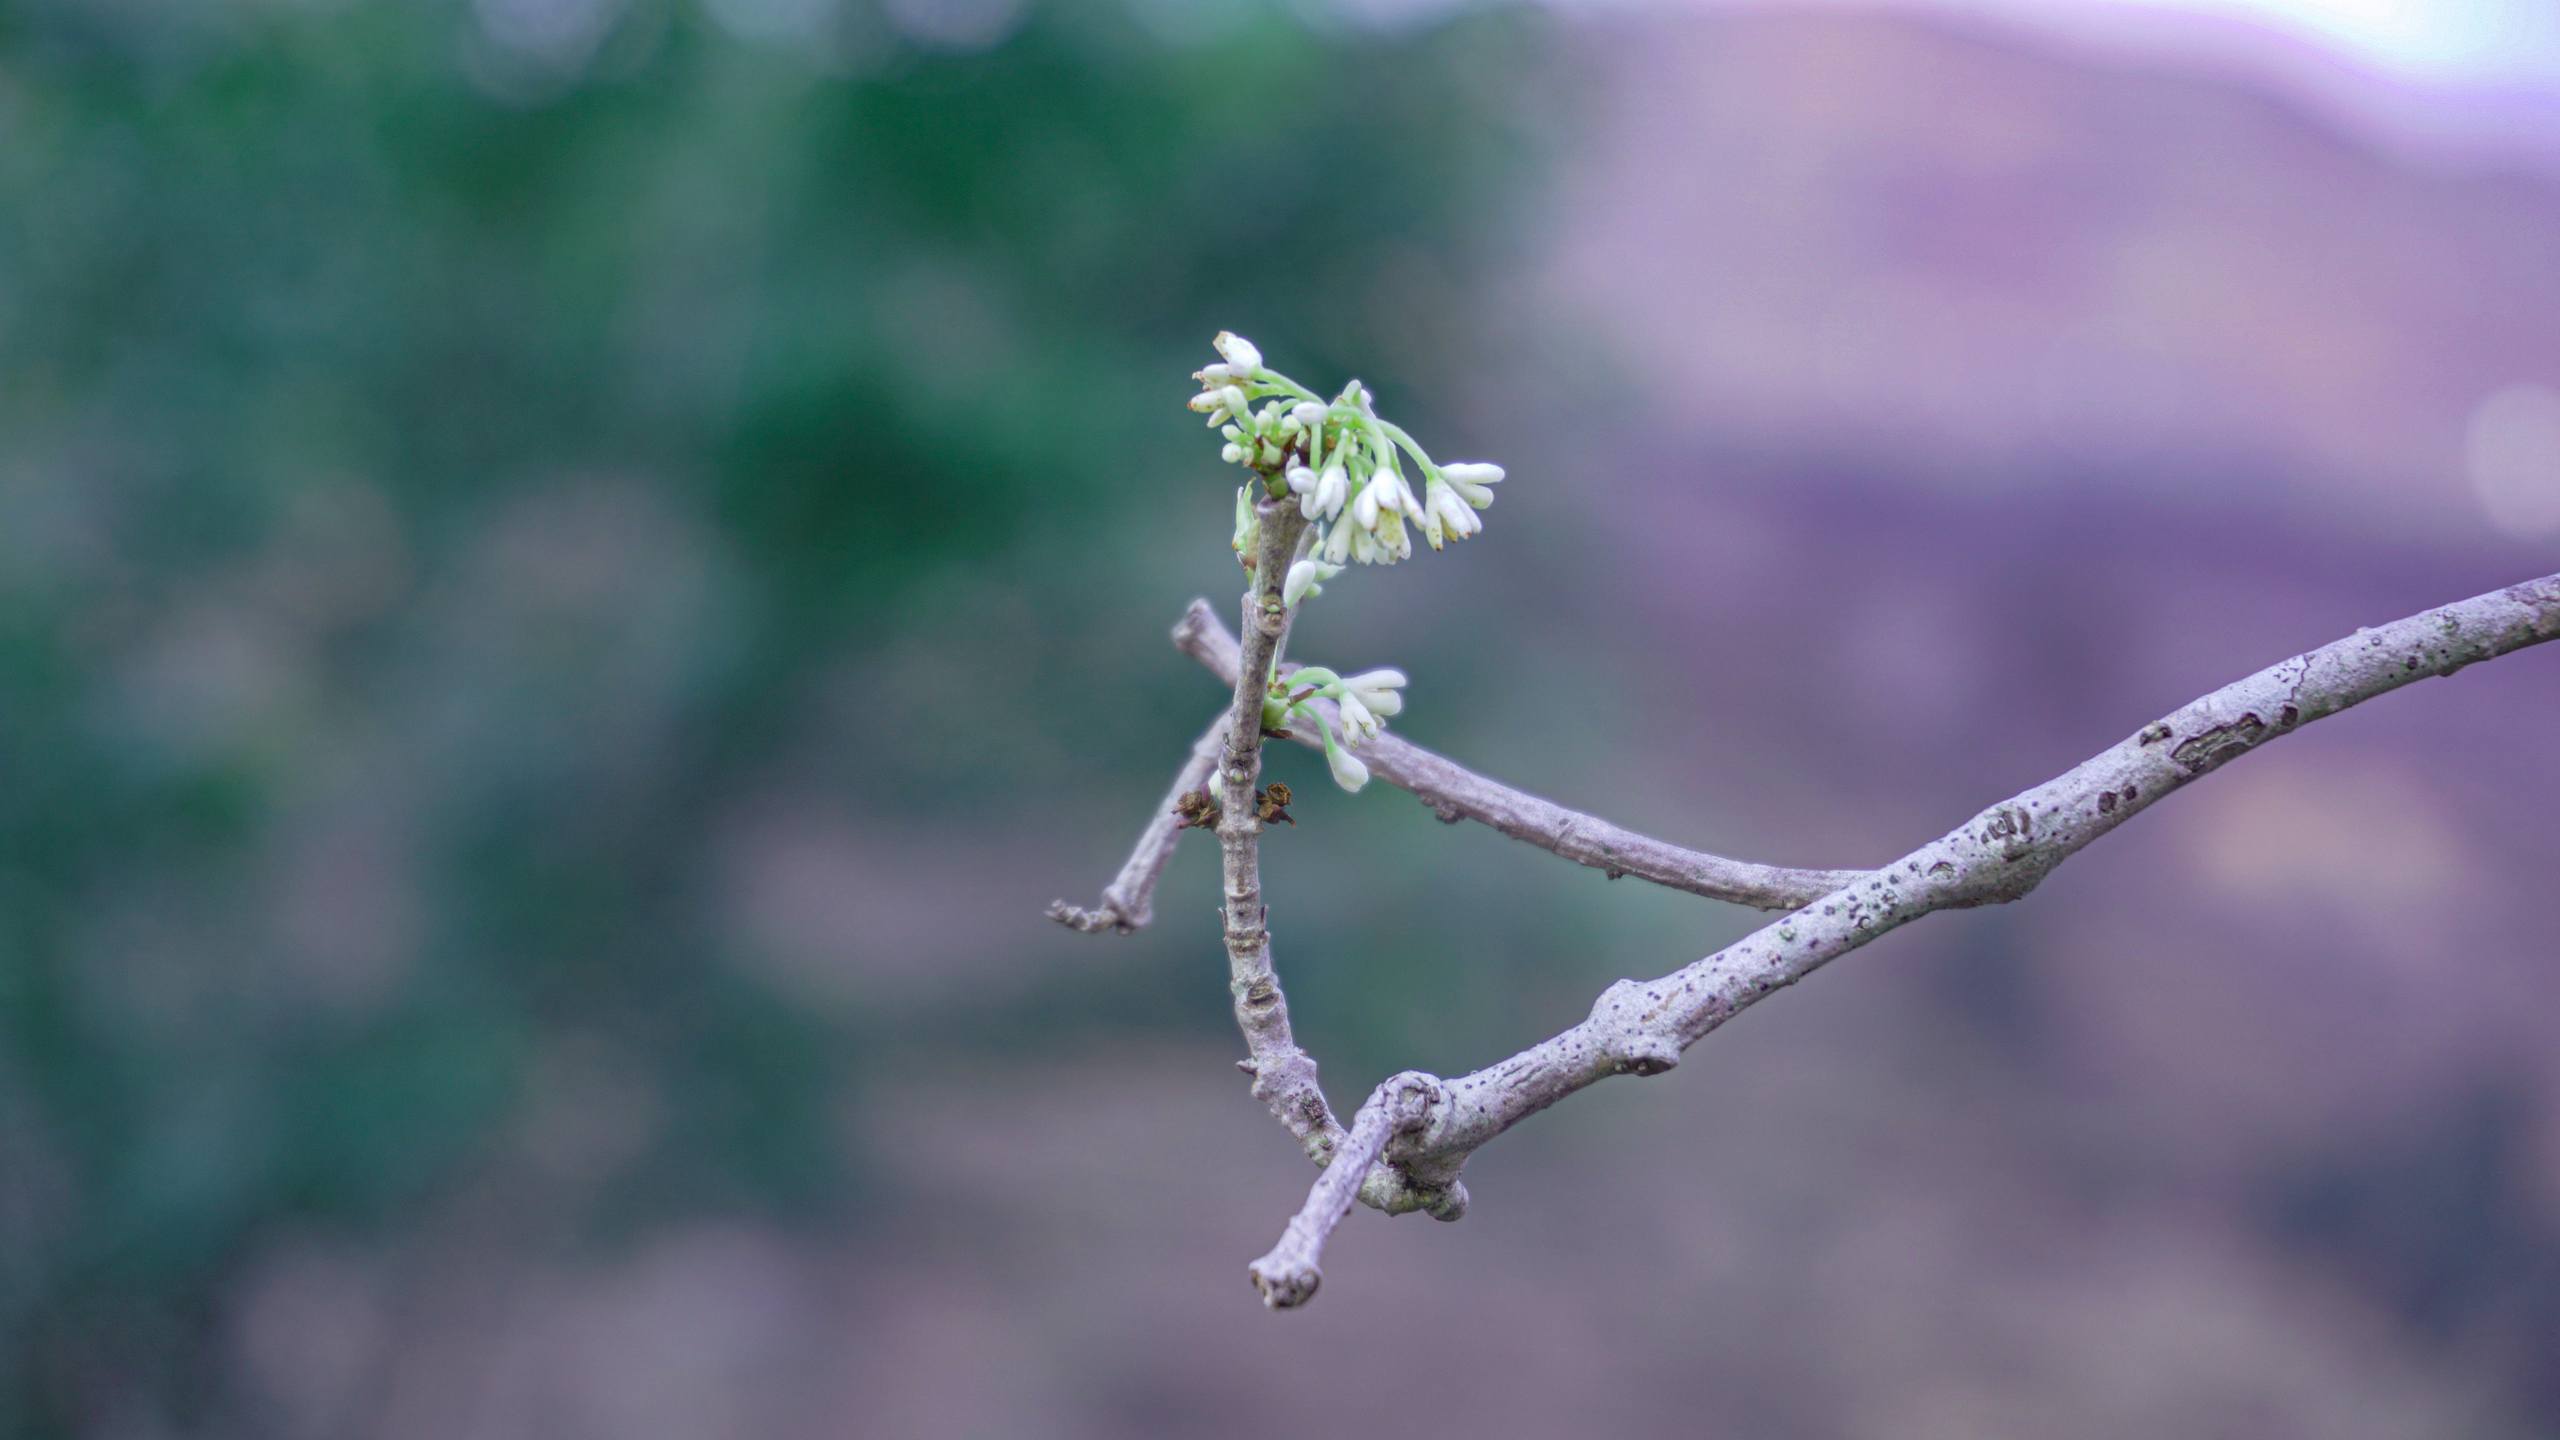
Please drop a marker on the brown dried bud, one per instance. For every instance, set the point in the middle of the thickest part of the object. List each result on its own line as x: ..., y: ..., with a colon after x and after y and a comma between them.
x: 1196, y: 809
x: 1273, y: 804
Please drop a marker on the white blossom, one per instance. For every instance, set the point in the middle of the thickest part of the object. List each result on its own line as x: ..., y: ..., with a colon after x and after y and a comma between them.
x: 1348, y: 771
x: 1240, y: 352
x: 1335, y: 458
x: 1394, y: 541
x: 1364, y: 546
x: 1359, y: 727
x: 1332, y: 488
x: 1380, y: 690
x: 1453, y: 514
x: 1320, y: 498
x: 1470, y: 480
x: 1337, y: 542
x: 1306, y: 578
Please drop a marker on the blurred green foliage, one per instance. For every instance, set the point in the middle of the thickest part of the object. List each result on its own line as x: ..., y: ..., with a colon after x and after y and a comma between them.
x: 335, y: 345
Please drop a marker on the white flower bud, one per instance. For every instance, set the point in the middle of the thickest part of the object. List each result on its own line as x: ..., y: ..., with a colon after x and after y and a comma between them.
x: 1358, y: 726
x: 1427, y: 520
x: 1302, y: 576
x: 1239, y: 351
x: 1308, y: 414
x: 1233, y: 399
x: 1234, y: 454
x: 1332, y: 488
x: 1364, y: 511
x: 1470, y: 481
x: 1348, y: 771
x: 1207, y: 402
x: 1337, y: 543
x: 1302, y: 481
x: 1380, y: 690
x: 1454, y: 514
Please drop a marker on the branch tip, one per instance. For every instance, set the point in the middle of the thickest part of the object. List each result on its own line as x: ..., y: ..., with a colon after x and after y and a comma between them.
x: 1284, y: 1286
x: 1128, y: 902
x: 1087, y: 922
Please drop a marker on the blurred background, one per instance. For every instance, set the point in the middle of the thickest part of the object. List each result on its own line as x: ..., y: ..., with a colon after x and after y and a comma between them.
x: 574, y: 574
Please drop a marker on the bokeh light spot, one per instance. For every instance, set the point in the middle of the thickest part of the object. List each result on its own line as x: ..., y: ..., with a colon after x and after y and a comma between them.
x: 2513, y: 453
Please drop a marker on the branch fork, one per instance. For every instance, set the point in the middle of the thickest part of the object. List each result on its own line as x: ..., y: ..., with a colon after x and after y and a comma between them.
x: 1405, y: 1146
x: 1402, y: 1107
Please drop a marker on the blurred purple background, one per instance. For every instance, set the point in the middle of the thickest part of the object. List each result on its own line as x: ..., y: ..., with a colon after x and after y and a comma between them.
x: 1937, y: 400
x: 1901, y: 403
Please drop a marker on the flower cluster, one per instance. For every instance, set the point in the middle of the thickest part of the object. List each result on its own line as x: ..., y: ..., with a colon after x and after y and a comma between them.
x: 1345, y: 466
x: 1352, y: 476
x: 1362, y: 701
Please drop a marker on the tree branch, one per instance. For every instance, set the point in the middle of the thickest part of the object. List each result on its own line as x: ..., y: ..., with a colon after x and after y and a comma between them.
x: 1641, y: 1027
x: 1128, y: 902
x: 1284, y: 1076
x: 1288, y: 1276
x: 1456, y: 793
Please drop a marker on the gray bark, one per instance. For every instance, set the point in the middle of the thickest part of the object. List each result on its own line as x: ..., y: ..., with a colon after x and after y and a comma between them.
x: 1640, y: 1027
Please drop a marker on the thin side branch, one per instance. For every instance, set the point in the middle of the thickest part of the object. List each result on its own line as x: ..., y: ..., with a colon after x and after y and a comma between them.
x: 1456, y: 793
x: 1128, y: 902
x: 1641, y: 1027
x: 1284, y: 1076
x: 1288, y: 1276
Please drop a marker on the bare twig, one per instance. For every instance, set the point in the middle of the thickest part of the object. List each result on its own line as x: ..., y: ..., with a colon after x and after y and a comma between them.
x: 1128, y: 902
x: 1456, y: 793
x: 1289, y: 1274
x: 1284, y: 1076
x: 1641, y: 1027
